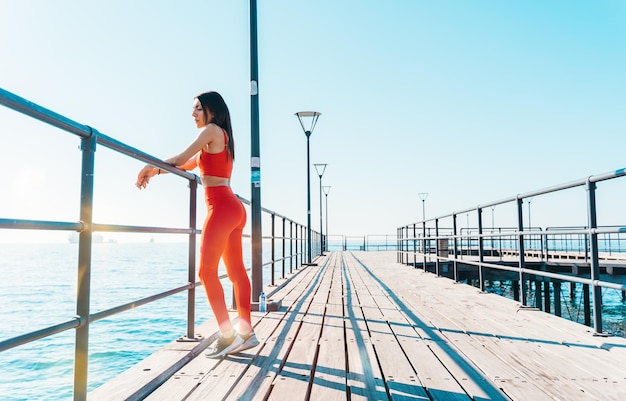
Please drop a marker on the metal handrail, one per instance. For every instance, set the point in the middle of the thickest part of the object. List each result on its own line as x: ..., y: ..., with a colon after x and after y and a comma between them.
x: 90, y: 138
x: 412, y: 242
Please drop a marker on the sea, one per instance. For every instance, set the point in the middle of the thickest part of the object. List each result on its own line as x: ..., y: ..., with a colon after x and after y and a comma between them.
x: 38, y: 289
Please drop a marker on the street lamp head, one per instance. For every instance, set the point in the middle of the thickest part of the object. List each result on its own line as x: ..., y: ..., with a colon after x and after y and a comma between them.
x: 320, y: 168
x: 326, y: 189
x: 308, y: 119
x: 423, y: 195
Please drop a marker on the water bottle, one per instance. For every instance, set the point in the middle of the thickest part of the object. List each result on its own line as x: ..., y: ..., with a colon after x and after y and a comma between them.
x: 262, y: 302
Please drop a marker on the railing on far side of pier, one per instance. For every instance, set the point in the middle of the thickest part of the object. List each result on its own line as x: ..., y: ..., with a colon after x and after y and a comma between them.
x: 442, y: 243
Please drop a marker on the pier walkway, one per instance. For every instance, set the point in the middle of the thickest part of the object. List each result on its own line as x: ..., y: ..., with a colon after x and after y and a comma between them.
x: 360, y: 326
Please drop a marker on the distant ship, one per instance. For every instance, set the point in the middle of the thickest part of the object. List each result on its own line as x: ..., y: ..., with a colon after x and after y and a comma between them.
x: 73, y: 238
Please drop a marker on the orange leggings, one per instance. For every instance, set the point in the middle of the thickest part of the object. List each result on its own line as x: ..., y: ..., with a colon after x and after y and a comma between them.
x: 221, y: 237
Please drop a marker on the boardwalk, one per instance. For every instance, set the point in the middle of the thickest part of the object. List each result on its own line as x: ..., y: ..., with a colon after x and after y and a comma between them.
x: 359, y: 326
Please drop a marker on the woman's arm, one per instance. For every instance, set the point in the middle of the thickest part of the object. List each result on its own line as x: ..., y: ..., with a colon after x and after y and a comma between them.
x: 186, y: 160
x: 206, y: 136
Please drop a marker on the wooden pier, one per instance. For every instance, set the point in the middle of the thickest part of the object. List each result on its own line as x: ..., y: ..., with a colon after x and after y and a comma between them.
x: 359, y: 326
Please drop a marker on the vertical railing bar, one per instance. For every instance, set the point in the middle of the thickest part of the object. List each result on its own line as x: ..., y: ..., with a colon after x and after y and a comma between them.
x: 481, y: 250
x: 595, y: 265
x: 283, y: 246
x: 273, y: 242
x: 424, y: 245
x: 456, y: 249
x: 414, y: 245
x: 191, y: 266
x: 521, y: 262
x: 437, y: 247
x: 81, y: 357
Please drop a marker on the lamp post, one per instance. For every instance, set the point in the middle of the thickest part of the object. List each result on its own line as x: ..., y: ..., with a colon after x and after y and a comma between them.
x: 255, y: 161
x: 326, y: 191
x: 423, y: 196
x: 310, y: 118
x: 529, y: 200
x: 320, y: 168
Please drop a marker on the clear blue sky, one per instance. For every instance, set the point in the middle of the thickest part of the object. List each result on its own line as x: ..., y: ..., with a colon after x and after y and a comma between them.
x: 470, y: 101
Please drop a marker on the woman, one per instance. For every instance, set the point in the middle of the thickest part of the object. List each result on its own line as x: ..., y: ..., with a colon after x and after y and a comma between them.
x: 213, y: 152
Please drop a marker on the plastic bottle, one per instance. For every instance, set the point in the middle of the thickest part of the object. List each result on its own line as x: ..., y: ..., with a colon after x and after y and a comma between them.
x: 262, y: 302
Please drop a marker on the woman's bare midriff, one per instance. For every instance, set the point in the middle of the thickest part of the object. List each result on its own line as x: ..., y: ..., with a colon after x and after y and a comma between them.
x: 212, y: 181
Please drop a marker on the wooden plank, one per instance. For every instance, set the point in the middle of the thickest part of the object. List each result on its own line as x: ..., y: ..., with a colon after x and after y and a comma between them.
x: 257, y: 381
x: 515, y: 380
x: 365, y: 379
x: 434, y: 376
x: 400, y: 377
x: 188, y: 378
x: 532, y: 358
x: 226, y: 375
x: 531, y: 355
x: 330, y: 379
x: 292, y: 381
x: 140, y: 380
x: 467, y: 374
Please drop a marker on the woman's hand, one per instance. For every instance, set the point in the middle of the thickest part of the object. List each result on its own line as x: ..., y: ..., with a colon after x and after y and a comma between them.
x: 143, y: 178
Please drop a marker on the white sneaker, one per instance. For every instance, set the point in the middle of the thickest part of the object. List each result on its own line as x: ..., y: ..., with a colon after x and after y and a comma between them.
x: 247, y: 341
x: 224, y: 345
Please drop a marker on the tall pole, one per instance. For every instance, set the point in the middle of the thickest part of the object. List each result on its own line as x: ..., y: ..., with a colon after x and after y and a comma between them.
x: 313, y: 116
x: 255, y: 160
x: 321, y: 230
x: 308, y: 197
x: 320, y: 168
x: 326, y: 191
x: 423, y: 196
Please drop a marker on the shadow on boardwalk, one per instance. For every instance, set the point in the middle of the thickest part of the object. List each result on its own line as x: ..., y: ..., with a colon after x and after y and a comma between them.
x: 359, y: 326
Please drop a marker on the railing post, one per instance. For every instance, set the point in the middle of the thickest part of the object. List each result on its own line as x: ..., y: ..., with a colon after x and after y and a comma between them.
x: 191, y: 294
x: 414, y: 245
x: 456, y: 249
x: 291, y: 253
x: 424, y: 245
x: 399, y: 245
x: 273, y: 247
x: 302, y: 240
x: 283, y: 257
x: 81, y: 358
x: 437, y: 247
x: 296, y: 241
x: 481, y: 251
x: 595, y: 265
x: 521, y: 263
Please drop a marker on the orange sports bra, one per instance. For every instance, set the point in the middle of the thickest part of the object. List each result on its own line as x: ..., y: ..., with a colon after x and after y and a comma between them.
x: 216, y: 164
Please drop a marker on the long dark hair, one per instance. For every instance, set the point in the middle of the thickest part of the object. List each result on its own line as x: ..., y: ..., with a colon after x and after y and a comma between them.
x: 214, y: 103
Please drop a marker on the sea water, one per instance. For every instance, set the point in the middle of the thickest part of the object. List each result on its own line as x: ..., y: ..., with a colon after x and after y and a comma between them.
x: 38, y: 289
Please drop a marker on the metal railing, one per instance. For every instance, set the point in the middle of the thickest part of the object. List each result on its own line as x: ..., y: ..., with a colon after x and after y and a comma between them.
x: 427, y: 242
x: 289, y: 238
x: 369, y: 242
